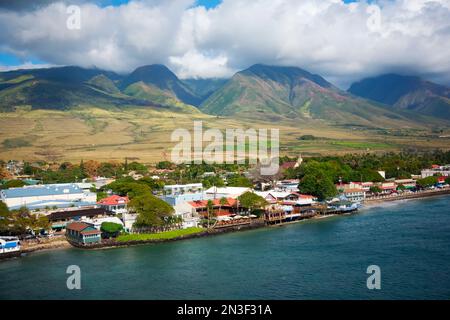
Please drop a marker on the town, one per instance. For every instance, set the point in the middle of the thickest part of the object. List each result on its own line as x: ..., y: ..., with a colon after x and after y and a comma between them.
x: 95, y: 205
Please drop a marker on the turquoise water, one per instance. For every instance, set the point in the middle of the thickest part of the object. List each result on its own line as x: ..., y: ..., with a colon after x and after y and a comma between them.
x: 327, y: 259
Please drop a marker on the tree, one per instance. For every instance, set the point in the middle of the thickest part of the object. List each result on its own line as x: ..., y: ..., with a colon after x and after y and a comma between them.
x: 251, y: 201
x: 447, y: 180
x: 111, y: 229
x: 401, y: 187
x: 209, y: 209
x: 151, y: 210
x: 208, y: 182
x: 5, y: 217
x: 427, y: 182
x: 13, y: 184
x: 375, y: 189
x: 318, y: 184
x: 239, y: 181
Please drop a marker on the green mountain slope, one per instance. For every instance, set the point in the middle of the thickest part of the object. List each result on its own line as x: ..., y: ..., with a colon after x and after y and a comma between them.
x: 406, y: 93
x: 160, y: 77
x: 67, y: 87
x: 268, y: 92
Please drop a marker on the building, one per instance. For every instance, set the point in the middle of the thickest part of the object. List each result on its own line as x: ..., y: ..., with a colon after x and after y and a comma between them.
x: 436, y: 171
x: 83, y: 233
x: 188, y: 213
x: 97, y: 222
x: 288, y: 185
x: 9, y: 245
x: 354, y: 195
x: 177, y: 199
x: 229, y: 208
x: 226, y: 192
x: 47, y: 196
x: 60, y: 219
x: 183, y: 188
x: 128, y: 221
x: 407, y: 183
x: 115, y: 203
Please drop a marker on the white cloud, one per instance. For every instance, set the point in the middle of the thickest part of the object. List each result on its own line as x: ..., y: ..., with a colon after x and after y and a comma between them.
x: 323, y: 36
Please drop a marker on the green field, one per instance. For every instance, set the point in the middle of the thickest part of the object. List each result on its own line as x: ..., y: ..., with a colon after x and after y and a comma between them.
x: 145, y: 135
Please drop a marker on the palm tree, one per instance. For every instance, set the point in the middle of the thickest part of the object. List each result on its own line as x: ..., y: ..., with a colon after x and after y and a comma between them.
x: 222, y: 202
x: 209, y: 208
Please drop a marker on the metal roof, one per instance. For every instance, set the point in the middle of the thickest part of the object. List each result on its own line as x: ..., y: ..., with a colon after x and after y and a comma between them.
x: 41, y: 190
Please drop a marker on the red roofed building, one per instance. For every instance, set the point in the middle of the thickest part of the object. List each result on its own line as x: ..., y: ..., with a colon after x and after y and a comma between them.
x: 115, y: 203
x: 229, y: 208
x: 82, y: 233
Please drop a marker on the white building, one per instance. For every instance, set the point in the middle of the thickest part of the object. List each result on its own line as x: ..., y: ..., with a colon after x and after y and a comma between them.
x: 50, y: 195
x: 438, y: 170
x: 183, y: 188
x: 226, y: 192
x: 188, y: 213
x: 9, y: 245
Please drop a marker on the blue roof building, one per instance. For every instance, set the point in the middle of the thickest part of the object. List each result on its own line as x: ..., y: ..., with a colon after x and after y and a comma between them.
x: 50, y: 195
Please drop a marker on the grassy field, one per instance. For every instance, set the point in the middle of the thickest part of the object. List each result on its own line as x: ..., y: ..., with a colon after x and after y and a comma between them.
x: 144, y: 135
x: 159, y: 236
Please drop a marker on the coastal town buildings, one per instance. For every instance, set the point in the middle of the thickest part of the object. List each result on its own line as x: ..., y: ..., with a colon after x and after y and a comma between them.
x: 226, y: 192
x: 182, y: 188
x: 9, y: 245
x: 114, y: 203
x: 47, y: 196
x: 60, y: 219
x: 82, y: 233
x: 436, y: 170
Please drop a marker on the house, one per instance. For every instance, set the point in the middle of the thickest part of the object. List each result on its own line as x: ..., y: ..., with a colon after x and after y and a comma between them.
x: 114, y: 203
x: 47, y: 196
x: 305, y: 200
x: 176, y: 199
x: 60, y: 219
x: 407, y: 183
x: 188, y: 213
x: 288, y: 185
x: 436, y: 170
x: 291, y: 164
x: 354, y: 195
x: 229, y: 208
x: 226, y: 192
x: 9, y: 245
x: 82, y: 233
x: 128, y: 221
x: 388, y: 187
x: 183, y: 188
x: 285, y: 197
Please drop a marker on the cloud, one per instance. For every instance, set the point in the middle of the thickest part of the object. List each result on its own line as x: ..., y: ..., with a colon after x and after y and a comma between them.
x: 343, y: 42
x: 26, y: 65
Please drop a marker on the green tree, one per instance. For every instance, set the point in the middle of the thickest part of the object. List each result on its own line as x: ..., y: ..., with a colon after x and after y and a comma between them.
x: 239, y: 181
x: 318, y: 184
x: 447, y: 180
x: 13, y: 184
x: 375, y: 189
x: 151, y: 210
x: 252, y: 201
x: 208, y: 182
x: 427, y: 182
x: 210, y: 210
x: 111, y: 229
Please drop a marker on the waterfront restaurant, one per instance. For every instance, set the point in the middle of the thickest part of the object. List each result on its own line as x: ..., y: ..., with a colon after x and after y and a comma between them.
x: 83, y: 233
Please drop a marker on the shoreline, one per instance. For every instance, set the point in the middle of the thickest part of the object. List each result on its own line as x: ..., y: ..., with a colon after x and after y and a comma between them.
x: 59, y: 244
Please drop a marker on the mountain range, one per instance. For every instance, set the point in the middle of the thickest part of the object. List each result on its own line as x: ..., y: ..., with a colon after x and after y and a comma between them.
x: 271, y: 93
